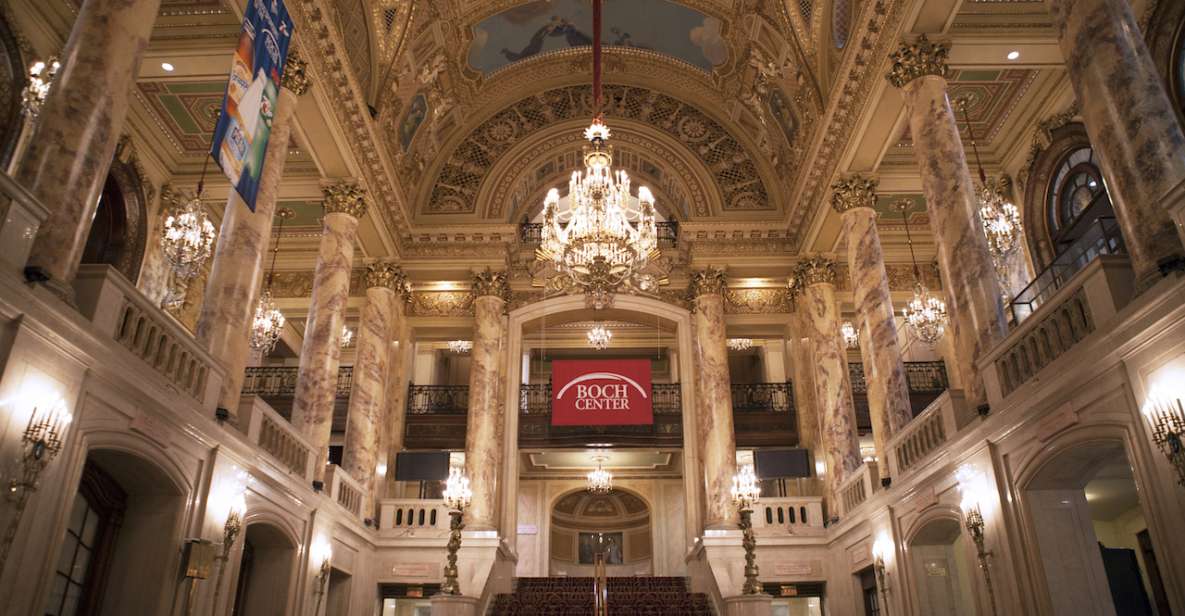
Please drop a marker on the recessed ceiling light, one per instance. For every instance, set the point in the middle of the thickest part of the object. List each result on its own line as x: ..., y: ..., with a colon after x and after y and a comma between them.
x: 1012, y: 55
x: 168, y: 67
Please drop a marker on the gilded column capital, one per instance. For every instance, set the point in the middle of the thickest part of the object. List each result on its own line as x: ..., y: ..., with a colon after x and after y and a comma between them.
x: 344, y: 198
x: 708, y: 281
x: 493, y: 283
x: 387, y: 275
x: 296, y: 75
x: 853, y: 192
x: 918, y: 59
x: 813, y: 270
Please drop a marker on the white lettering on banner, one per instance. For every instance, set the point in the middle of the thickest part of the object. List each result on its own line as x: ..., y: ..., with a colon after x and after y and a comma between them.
x: 602, y: 397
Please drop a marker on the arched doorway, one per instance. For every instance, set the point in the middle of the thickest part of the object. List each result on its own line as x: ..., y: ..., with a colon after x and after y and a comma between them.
x: 619, y: 520
x: 937, y: 557
x: 118, y: 233
x: 1092, y: 537
x: 121, y: 543
x: 265, y: 572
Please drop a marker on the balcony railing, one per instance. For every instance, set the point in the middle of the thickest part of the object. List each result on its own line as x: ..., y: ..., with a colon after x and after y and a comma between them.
x: 668, y: 233
x: 922, y: 377
x: 793, y: 515
x: 1101, y: 237
x: 437, y: 399
x: 763, y: 397
x: 278, y: 438
x: 535, y: 399
x: 280, y: 381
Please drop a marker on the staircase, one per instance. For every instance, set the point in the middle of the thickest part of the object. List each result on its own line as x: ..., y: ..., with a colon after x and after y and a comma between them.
x: 628, y: 596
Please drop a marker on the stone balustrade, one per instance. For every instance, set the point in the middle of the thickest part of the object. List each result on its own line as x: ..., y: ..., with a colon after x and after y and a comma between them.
x: 344, y: 490
x: 276, y: 437
x: 21, y: 215
x: 1083, y: 304
x: 119, y: 310
x: 401, y: 515
x: 927, y: 433
x: 793, y: 515
x: 858, y: 487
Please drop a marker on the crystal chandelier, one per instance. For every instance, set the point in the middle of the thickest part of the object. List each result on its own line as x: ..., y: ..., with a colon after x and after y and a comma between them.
x: 600, y: 481
x: 739, y: 344
x: 1000, y: 218
x: 268, y: 321
x: 925, y: 315
x: 347, y: 336
x: 599, y: 337
x: 460, y: 347
x: 187, y: 241
x: 41, y: 75
x: 848, y: 331
x: 602, y: 238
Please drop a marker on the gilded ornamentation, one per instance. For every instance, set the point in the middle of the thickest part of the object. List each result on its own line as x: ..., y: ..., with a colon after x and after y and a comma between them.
x: 490, y: 282
x: 296, y: 76
x: 853, y: 192
x: 344, y: 198
x: 387, y: 274
x: 758, y: 301
x: 441, y: 304
x: 707, y: 281
x: 815, y: 269
x: 913, y: 60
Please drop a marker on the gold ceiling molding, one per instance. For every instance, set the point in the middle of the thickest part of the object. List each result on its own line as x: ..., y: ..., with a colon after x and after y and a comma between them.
x: 462, y: 173
x: 864, y: 63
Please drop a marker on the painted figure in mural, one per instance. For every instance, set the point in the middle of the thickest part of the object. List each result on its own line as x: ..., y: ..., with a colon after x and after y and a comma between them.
x: 411, y: 122
x: 557, y: 27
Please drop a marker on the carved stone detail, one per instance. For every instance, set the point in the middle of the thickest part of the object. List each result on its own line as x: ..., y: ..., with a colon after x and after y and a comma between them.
x: 387, y: 274
x: 296, y: 76
x: 490, y: 282
x: 913, y: 60
x: 853, y: 192
x: 344, y: 198
x: 710, y: 280
x: 815, y: 269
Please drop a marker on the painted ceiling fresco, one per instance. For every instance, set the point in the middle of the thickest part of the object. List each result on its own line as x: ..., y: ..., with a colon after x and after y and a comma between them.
x: 546, y: 25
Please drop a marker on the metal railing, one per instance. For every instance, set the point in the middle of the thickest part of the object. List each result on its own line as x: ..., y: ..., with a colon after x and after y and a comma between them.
x: 280, y: 381
x: 921, y: 376
x: 1102, y: 237
x: 668, y: 233
x: 763, y: 397
x: 437, y: 399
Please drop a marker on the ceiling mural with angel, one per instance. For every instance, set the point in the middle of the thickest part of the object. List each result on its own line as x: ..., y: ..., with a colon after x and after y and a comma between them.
x: 543, y: 26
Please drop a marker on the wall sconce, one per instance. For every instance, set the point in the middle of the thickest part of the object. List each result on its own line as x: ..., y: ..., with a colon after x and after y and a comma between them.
x: 41, y: 442
x: 973, y: 488
x: 745, y: 493
x: 457, y: 497
x: 1166, y: 417
x: 235, y: 510
x: 882, y: 549
x: 321, y: 552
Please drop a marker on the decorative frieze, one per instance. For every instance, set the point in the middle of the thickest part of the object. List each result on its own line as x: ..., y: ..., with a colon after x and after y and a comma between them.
x: 918, y: 59
x: 853, y: 192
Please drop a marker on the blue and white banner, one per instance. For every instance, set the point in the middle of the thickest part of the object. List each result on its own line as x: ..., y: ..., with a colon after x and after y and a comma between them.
x: 240, y: 138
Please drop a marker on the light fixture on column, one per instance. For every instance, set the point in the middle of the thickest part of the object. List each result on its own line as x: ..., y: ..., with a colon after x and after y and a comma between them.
x: 882, y: 550
x: 599, y: 480
x: 321, y: 554
x: 236, y: 508
x: 268, y: 321
x: 848, y: 331
x: 41, y: 76
x: 973, y: 488
x: 745, y: 494
x: 1000, y: 218
x: 925, y: 314
x: 599, y: 337
x: 739, y: 344
x: 460, y: 347
x: 347, y: 336
x: 187, y: 241
x: 1166, y: 416
x: 599, y: 238
x: 41, y: 442
x: 457, y: 497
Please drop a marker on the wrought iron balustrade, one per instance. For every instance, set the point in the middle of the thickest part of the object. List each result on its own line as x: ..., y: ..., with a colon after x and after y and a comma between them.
x: 437, y: 399
x: 280, y: 381
x: 668, y: 233
x: 923, y: 377
x: 763, y: 397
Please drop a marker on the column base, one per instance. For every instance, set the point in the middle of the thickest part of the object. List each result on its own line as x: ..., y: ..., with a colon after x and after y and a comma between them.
x: 743, y: 605
x: 456, y: 605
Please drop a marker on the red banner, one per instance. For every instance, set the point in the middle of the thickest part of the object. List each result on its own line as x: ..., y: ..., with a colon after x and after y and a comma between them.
x: 601, y: 392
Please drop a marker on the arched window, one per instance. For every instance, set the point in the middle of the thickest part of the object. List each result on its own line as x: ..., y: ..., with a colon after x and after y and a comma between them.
x: 1075, y: 186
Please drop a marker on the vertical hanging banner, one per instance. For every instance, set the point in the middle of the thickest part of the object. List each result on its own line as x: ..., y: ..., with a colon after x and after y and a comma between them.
x: 601, y: 392
x: 240, y: 138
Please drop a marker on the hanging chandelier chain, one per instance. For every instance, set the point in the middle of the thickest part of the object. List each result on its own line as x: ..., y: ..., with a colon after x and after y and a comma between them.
x: 597, y: 58
x: 971, y: 134
x: 917, y: 273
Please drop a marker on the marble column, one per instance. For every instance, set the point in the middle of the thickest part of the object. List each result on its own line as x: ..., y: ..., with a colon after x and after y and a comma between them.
x: 401, y: 350
x: 802, y: 362
x: 316, y: 381
x: 888, y: 390
x: 833, y: 390
x: 1131, y: 122
x: 485, y: 433
x: 714, y: 393
x: 71, y: 147
x: 233, y: 286
x: 968, y: 275
x: 385, y: 283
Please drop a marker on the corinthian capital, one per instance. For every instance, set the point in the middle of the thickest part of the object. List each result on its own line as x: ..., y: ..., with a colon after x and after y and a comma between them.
x: 709, y: 281
x: 387, y: 275
x: 913, y: 60
x: 491, y: 283
x: 344, y: 198
x: 853, y: 192
x: 296, y: 76
x: 814, y: 270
